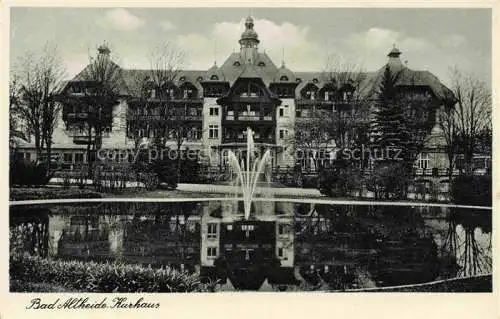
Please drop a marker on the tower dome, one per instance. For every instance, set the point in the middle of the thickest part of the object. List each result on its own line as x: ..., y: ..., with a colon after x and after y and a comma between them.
x: 394, y: 61
x: 249, y: 38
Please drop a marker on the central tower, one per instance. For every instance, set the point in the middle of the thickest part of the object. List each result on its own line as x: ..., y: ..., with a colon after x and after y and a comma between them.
x: 249, y: 42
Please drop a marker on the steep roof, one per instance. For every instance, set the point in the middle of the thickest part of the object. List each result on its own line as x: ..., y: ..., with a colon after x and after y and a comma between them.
x: 409, y: 77
x: 215, y: 71
x: 232, y: 70
x: 284, y: 71
x: 264, y: 68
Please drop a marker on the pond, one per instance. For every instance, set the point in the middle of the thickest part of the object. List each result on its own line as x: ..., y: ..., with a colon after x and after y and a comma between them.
x: 284, y: 245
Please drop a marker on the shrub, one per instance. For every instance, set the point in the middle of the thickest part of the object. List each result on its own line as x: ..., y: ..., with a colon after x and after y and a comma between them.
x: 26, y: 173
x: 472, y: 190
x: 166, y: 170
x: 50, y: 193
x: 339, y: 180
x: 101, y: 277
x: 389, y: 180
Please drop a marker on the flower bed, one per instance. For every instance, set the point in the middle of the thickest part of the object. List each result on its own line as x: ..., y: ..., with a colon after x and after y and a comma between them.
x: 101, y: 277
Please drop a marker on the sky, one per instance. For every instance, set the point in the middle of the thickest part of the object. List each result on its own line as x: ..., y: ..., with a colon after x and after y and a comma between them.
x: 306, y: 38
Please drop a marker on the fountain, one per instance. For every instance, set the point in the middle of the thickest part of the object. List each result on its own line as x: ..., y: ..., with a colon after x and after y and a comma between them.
x: 249, y: 178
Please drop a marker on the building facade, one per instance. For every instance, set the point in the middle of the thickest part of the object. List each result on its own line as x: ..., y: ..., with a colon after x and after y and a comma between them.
x: 215, y: 107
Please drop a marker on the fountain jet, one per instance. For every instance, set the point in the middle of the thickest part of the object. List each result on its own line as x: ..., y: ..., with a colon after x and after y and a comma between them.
x: 248, y: 179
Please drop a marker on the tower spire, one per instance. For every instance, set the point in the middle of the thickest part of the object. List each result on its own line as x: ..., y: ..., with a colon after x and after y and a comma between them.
x: 215, y: 52
x: 282, y: 57
x: 248, y: 42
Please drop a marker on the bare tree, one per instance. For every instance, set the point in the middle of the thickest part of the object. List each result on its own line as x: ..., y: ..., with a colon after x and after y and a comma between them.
x: 166, y: 61
x: 449, y: 132
x: 350, y: 125
x: 16, y: 129
x: 41, y: 78
x: 472, y: 113
x: 326, y: 129
x: 312, y: 135
x: 102, y: 83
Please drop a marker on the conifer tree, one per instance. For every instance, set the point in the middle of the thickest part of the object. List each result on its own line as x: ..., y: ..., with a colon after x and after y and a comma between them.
x: 389, y: 129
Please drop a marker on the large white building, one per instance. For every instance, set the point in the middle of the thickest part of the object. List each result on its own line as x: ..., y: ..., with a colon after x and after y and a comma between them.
x: 218, y: 104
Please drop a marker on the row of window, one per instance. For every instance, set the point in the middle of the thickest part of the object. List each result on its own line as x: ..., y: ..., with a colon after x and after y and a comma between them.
x: 212, y: 229
x: 186, y: 93
x: 192, y: 111
x: 73, y: 157
x: 213, y: 132
x: 193, y: 133
x: 212, y: 253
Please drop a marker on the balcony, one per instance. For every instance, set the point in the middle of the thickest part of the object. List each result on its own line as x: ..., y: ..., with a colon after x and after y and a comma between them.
x: 78, y: 115
x: 83, y: 139
x: 250, y: 99
x: 243, y: 139
x: 248, y: 118
x: 152, y: 118
x: 195, y: 100
x: 309, y: 102
x: 437, y: 172
x: 177, y: 100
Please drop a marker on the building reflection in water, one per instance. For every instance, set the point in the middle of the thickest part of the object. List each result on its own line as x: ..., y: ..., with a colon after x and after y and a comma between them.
x: 284, y: 246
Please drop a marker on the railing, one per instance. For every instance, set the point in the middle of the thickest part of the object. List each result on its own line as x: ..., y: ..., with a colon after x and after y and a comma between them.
x: 314, y: 102
x: 177, y: 100
x: 243, y: 139
x: 435, y: 172
x: 141, y: 117
x: 250, y: 118
x: 250, y: 99
x: 78, y: 115
x: 83, y: 139
x: 195, y: 100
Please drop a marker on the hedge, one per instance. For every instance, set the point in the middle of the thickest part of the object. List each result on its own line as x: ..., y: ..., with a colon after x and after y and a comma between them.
x: 27, y: 173
x: 472, y: 190
x: 101, y: 277
x: 50, y: 193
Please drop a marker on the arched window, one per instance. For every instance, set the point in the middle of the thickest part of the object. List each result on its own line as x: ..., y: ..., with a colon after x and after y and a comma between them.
x: 284, y: 78
x: 315, y: 80
x: 236, y: 63
x: 199, y: 79
x: 261, y: 64
x: 214, y: 77
x: 182, y: 79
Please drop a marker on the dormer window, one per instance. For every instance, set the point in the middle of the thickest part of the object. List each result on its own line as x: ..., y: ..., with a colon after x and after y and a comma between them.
x: 261, y: 64
x: 187, y: 93
x: 315, y: 80
x: 182, y: 79
x: 236, y: 63
x: 347, y: 95
x: 199, y: 79
x: 284, y: 78
x: 214, y: 77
